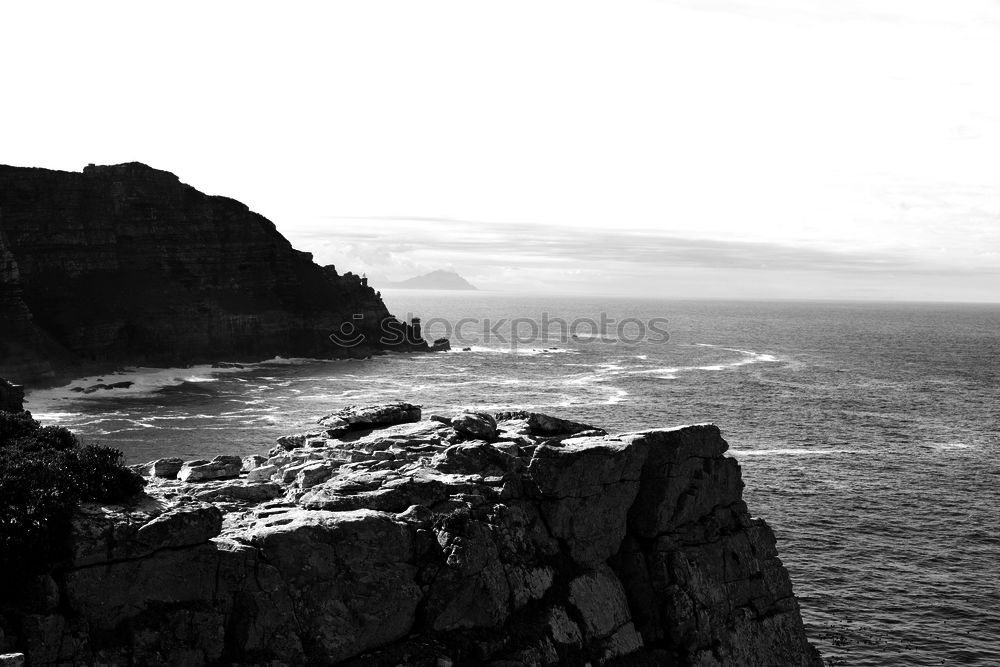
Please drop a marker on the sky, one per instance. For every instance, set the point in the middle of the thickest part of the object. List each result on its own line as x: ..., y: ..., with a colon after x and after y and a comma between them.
x: 834, y: 149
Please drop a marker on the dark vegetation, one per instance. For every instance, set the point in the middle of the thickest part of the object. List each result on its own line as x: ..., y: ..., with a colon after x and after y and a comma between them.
x: 44, y: 474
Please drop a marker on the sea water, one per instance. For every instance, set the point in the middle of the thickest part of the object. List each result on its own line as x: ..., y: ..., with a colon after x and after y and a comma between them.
x: 868, y: 433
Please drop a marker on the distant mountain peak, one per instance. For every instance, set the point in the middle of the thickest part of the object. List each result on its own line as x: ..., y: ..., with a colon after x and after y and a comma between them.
x: 440, y: 279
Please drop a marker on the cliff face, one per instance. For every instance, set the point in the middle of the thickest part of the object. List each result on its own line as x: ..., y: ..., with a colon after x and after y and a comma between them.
x: 11, y: 397
x: 126, y: 264
x: 515, y: 539
x: 26, y: 352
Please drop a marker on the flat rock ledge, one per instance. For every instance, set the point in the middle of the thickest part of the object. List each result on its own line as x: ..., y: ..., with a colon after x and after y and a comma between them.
x: 380, y: 539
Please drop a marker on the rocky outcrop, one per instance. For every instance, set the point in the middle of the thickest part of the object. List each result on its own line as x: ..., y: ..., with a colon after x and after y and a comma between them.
x: 11, y: 397
x: 416, y: 543
x: 124, y: 264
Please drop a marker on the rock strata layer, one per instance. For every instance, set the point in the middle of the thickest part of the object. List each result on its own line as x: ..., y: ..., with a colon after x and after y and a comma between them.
x: 124, y: 264
x: 507, y: 539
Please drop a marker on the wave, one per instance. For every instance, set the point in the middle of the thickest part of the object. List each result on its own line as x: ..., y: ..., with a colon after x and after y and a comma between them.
x: 610, y: 367
x: 598, y: 336
x: 181, y: 416
x: 788, y: 452
x: 617, y: 396
x: 54, y: 416
x: 291, y: 361
x: 946, y: 446
x: 749, y: 357
x: 586, y: 378
x: 534, y: 351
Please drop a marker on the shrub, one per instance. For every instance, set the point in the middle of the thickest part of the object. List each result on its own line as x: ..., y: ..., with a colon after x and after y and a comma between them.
x: 14, y: 425
x: 44, y: 475
x: 102, y: 475
x: 52, y: 437
x: 38, y: 502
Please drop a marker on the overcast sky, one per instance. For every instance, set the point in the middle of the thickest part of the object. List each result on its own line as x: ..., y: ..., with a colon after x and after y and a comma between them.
x: 685, y: 148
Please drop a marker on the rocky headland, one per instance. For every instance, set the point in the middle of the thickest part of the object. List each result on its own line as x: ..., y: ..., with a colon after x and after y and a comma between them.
x: 125, y: 265
x: 380, y: 538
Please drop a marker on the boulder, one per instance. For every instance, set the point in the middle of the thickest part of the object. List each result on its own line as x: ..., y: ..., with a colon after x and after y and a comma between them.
x: 297, y: 440
x: 221, y: 467
x: 289, y: 473
x: 262, y: 473
x: 248, y: 491
x: 475, y: 425
x: 312, y: 474
x: 538, y: 424
x: 254, y: 461
x: 181, y: 526
x: 356, y: 418
x: 166, y: 468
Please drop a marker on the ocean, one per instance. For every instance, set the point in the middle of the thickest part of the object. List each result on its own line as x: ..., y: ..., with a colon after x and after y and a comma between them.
x: 868, y: 433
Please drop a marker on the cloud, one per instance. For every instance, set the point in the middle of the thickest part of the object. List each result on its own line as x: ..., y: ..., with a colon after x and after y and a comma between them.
x: 489, y: 244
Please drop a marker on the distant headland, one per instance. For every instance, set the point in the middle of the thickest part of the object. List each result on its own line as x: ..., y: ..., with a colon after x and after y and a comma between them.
x: 440, y: 280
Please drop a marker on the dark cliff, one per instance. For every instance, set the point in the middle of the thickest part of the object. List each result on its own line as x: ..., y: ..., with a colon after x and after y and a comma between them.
x: 125, y: 264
